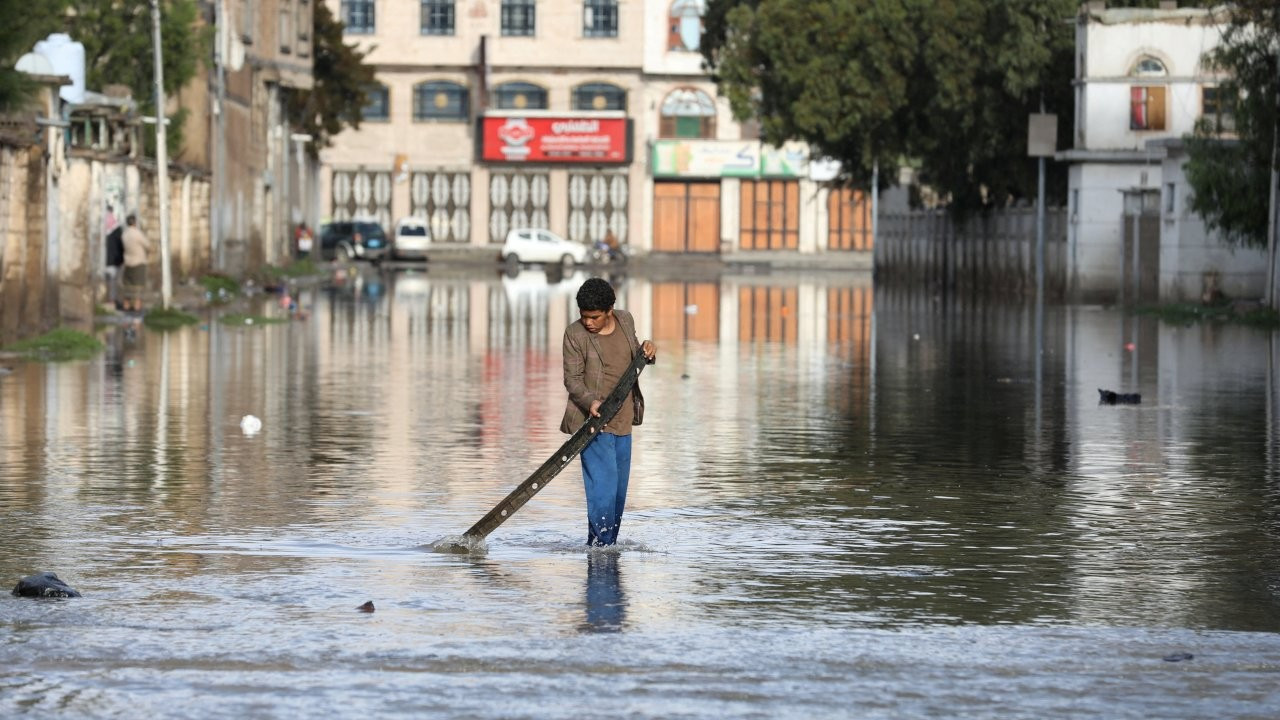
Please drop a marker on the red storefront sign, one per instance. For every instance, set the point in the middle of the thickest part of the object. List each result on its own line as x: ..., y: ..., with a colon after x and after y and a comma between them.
x: 517, y: 139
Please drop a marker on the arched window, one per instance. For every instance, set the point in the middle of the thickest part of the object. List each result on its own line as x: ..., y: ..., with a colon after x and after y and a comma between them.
x: 520, y: 96
x: 1148, y: 66
x: 687, y: 113
x: 685, y: 25
x: 377, y: 104
x: 441, y: 101
x: 599, y: 96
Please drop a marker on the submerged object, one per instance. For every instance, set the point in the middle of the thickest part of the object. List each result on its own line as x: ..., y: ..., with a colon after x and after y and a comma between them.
x: 567, y: 452
x: 1106, y: 397
x: 44, y: 584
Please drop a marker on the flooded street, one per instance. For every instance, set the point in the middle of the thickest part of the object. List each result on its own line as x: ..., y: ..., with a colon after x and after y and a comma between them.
x: 844, y: 503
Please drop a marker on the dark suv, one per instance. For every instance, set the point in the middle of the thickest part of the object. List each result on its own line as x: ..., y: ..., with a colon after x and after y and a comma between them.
x: 353, y: 240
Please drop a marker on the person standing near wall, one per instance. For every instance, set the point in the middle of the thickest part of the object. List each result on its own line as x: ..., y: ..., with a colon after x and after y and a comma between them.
x: 115, y: 258
x: 598, y: 349
x: 136, y: 250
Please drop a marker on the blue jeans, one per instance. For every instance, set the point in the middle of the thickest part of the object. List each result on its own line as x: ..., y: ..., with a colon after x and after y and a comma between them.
x: 606, y: 468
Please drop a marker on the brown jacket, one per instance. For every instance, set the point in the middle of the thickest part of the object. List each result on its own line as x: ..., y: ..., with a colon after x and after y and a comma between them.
x: 584, y: 371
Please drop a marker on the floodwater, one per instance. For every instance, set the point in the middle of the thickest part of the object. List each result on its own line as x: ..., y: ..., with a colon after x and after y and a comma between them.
x: 845, y: 502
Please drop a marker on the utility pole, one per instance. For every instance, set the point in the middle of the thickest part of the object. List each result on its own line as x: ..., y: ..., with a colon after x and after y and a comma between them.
x: 222, y: 47
x: 1272, y: 301
x: 162, y: 162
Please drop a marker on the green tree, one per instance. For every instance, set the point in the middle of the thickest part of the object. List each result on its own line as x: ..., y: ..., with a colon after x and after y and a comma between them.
x: 17, y: 39
x: 340, y: 83
x: 947, y: 85
x: 1231, y: 178
x: 116, y: 35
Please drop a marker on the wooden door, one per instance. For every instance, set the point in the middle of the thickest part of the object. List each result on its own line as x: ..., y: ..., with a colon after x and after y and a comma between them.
x: 849, y: 220
x: 686, y: 217
x: 770, y: 215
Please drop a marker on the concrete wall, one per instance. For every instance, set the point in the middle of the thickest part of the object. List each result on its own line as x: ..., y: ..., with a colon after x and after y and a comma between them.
x: 1194, y: 260
x: 53, y: 224
x: 23, y: 280
x: 1095, y: 235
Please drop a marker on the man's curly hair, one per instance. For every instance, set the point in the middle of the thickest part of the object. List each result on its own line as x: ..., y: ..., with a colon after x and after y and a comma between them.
x: 596, y: 294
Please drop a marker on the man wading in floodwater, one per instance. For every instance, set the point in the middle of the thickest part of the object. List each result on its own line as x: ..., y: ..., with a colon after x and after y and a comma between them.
x: 598, y: 348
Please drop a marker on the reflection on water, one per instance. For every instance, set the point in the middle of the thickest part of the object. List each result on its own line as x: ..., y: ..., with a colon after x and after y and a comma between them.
x: 841, y: 498
x: 606, y: 603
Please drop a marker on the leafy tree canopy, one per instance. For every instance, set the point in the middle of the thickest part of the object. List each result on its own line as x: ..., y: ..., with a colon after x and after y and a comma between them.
x: 946, y: 84
x: 341, y: 81
x: 1231, y: 177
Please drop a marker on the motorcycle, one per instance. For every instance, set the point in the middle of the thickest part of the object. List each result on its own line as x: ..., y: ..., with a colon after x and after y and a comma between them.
x: 603, y: 254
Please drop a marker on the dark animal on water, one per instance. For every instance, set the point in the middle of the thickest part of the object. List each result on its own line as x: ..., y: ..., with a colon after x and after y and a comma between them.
x: 367, y: 607
x: 1106, y: 397
x: 43, y: 585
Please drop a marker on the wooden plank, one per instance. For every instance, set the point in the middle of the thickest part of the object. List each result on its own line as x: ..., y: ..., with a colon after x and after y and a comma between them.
x: 562, y: 457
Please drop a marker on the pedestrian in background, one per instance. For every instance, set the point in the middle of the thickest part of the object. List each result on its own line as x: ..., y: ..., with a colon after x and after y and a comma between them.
x: 598, y: 349
x: 302, y: 240
x: 136, y: 250
x: 115, y: 258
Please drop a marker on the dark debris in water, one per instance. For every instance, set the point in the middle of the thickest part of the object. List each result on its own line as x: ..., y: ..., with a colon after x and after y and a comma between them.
x: 367, y: 607
x: 1178, y: 657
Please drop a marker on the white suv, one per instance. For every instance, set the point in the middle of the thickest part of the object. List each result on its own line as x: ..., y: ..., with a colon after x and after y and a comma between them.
x: 528, y: 245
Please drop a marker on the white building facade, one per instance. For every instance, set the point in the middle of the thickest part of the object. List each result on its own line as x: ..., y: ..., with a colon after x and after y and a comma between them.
x: 580, y: 116
x: 1142, y: 81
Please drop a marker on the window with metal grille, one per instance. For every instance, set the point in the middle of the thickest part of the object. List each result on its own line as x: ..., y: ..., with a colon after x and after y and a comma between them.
x: 440, y: 101
x: 377, y: 104
x: 357, y: 15
x: 600, y: 18
x: 517, y: 200
x: 599, y: 96
x: 520, y: 96
x: 444, y: 199
x: 519, y: 17
x: 687, y: 113
x: 437, y: 17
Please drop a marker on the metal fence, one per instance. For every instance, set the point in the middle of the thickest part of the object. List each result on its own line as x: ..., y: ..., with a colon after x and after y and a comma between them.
x: 993, y: 253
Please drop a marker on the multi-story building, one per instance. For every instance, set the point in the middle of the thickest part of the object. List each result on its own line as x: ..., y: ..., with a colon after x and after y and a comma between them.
x: 1142, y: 82
x: 263, y: 49
x: 581, y: 116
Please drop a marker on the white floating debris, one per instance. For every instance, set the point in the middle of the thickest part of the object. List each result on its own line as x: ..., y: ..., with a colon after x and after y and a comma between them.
x: 250, y: 425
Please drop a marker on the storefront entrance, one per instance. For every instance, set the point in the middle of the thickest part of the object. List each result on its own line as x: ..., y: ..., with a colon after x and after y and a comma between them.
x: 686, y: 217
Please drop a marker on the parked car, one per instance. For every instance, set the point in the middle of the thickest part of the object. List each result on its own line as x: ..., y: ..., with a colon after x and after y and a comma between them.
x: 529, y: 245
x: 353, y: 240
x: 413, y: 237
